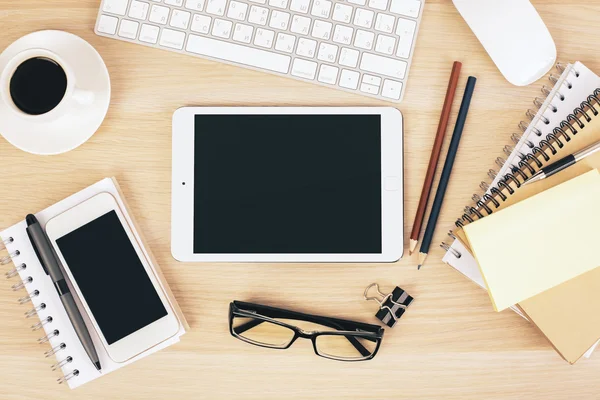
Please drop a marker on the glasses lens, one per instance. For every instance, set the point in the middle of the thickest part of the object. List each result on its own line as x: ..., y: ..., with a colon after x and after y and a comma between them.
x: 346, y: 348
x: 262, y: 332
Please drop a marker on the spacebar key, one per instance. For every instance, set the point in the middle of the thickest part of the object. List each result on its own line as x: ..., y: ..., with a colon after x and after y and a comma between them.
x: 238, y: 54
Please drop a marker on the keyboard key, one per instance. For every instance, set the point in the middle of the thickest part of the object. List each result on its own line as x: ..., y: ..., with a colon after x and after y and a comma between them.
x: 115, y: 6
x: 196, y: 5
x: 243, y: 33
x: 321, y: 8
x: 149, y: 33
x: 363, y: 18
x: 216, y: 7
x: 108, y: 24
x: 278, y: 3
x: 321, y: 29
x: 359, y: 2
x: 264, y: 38
x: 201, y: 23
x: 406, y: 30
x: 285, y: 42
x: 300, y: 25
x: 259, y: 1
x: 159, y: 14
x: 349, y: 57
x: 385, y: 23
x: 237, y: 10
x: 391, y: 89
x: 279, y: 20
x: 237, y: 53
x: 258, y: 15
x: 222, y: 28
x: 342, y: 13
x: 343, y: 34
x: 172, y: 39
x: 371, y: 80
x: 138, y: 10
x: 378, y: 4
x: 306, y: 48
x: 385, y: 44
x: 177, y: 3
x: 371, y: 89
x: 410, y: 8
x: 364, y: 39
x: 300, y: 6
x: 304, y: 69
x: 180, y: 19
x: 327, y: 52
x: 383, y: 65
x: 349, y: 79
x: 128, y: 29
x: 328, y: 74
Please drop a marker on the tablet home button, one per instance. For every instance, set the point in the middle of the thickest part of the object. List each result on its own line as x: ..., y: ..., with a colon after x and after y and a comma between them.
x: 392, y: 183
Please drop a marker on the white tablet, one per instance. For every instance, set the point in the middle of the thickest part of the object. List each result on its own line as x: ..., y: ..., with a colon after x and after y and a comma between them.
x: 278, y: 184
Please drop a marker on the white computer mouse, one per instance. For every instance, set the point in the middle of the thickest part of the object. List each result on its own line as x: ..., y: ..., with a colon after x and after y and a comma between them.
x: 514, y: 35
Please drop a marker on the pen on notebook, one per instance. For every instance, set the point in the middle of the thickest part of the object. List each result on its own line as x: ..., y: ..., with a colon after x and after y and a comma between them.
x: 563, y: 163
x: 447, y: 170
x: 435, y: 156
x: 51, y: 265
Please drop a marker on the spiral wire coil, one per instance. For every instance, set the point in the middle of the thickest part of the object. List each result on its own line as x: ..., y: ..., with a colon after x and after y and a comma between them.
x: 529, y: 164
x: 46, y: 321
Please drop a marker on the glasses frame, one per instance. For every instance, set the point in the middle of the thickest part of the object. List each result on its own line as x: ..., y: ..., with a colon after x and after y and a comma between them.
x: 349, y: 329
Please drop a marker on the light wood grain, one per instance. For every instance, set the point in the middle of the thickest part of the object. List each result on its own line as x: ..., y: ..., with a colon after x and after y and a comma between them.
x: 450, y: 344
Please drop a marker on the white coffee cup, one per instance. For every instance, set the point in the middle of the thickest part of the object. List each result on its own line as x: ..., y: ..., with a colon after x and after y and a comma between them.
x: 73, y: 98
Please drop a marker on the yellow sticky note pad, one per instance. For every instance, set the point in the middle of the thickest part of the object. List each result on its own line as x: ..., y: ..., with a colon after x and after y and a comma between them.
x: 539, y: 242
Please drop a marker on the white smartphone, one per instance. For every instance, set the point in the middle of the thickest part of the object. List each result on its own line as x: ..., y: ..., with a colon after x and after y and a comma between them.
x: 112, y: 277
x: 287, y: 184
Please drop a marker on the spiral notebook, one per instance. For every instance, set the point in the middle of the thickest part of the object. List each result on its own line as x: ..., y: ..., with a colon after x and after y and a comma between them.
x: 576, y: 84
x: 42, y: 302
x: 575, y: 90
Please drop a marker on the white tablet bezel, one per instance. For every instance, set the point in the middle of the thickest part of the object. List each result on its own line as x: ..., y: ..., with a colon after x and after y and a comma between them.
x: 144, y: 338
x: 392, y: 190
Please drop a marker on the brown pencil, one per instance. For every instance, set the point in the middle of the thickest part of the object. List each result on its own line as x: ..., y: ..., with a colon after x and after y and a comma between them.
x: 435, y: 156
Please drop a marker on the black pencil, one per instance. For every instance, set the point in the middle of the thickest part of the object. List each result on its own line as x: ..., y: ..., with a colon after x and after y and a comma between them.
x: 445, y: 178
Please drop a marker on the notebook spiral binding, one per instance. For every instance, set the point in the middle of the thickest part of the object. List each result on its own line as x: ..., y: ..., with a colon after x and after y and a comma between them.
x: 530, y: 163
x: 449, y: 248
x: 25, y: 283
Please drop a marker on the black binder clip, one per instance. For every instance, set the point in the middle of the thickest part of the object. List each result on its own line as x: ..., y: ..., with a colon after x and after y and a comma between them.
x: 391, y: 306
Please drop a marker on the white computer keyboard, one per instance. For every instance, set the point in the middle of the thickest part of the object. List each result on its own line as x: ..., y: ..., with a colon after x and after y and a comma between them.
x: 361, y: 46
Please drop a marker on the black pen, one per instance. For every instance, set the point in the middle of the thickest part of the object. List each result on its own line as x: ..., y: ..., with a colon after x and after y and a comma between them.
x: 49, y: 260
x: 563, y: 163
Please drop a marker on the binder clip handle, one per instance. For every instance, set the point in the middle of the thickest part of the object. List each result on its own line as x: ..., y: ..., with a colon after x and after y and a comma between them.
x: 391, y: 306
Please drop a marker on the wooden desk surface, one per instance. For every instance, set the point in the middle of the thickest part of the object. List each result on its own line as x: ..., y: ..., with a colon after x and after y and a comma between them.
x: 450, y: 344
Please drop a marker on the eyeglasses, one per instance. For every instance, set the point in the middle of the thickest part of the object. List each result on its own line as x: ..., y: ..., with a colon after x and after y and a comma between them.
x: 269, y: 327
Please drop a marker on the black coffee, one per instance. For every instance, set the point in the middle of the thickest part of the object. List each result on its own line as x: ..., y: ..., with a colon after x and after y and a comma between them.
x: 38, y: 85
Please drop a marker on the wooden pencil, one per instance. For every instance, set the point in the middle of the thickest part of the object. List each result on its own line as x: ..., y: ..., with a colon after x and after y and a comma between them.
x: 447, y: 170
x: 435, y: 156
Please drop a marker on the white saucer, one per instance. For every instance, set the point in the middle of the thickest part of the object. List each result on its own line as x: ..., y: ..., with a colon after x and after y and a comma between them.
x: 71, y: 130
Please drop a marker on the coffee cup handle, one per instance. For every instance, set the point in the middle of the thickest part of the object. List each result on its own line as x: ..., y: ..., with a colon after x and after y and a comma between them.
x: 83, y: 97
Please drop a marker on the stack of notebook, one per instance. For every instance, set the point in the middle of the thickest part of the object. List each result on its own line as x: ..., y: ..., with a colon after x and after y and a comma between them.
x: 535, y: 247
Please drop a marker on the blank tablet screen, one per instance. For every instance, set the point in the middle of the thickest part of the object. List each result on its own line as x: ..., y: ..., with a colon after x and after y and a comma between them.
x: 276, y: 184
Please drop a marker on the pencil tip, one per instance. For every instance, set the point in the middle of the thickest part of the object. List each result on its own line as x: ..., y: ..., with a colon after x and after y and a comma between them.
x: 419, y: 267
x: 413, y: 246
